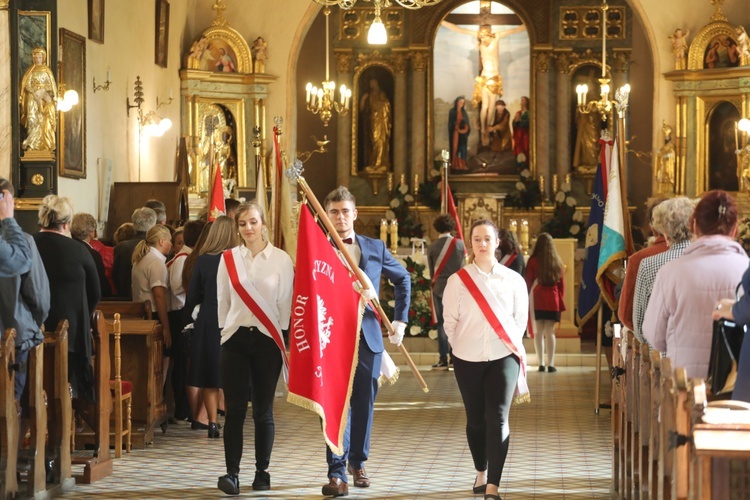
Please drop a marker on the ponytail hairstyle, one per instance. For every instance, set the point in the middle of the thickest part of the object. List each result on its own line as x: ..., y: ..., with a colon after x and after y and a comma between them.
x: 156, y: 233
x: 715, y: 213
x: 550, y: 263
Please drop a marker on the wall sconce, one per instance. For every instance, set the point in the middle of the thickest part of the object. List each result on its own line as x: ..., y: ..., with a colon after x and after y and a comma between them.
x: 104, y: 87
x: 151, y: 124
x: 166, y: 102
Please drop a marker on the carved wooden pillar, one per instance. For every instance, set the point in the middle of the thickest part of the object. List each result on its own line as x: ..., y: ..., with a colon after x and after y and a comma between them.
x: 344, y: 123
x: 419, y: 61
x: 5, y: 102
x: 542, y: 116
x: 400, y: 115
x: 562, y: 63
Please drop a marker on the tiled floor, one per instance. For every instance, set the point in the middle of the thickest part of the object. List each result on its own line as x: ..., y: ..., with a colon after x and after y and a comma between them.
x: 559, y: 449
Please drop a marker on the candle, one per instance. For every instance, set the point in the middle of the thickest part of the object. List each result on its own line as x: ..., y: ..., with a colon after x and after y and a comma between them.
x: 390, y: 182
x: 384, y: 231
x: 567, y: 180
x: 394, y: 235
x: 525, y: 235
x: 403, y: 180
x: 108, y: 73
x: 342, y: 91
x: 541, y: 185
x: 416, y: 184
x: 513, y: 226
x: 554, y: 183
x: 308, y: 90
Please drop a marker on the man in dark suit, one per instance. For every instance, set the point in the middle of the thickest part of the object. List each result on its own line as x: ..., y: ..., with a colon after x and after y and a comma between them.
x: 143, y: 219
x: 374, y: 259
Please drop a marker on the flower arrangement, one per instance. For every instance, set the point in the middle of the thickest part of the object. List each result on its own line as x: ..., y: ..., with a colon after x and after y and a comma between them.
x: 566, y: 221
x: 409, y: 225
x: 743, y: 234
x: 526, y: 194
x: 420, y: 315
x: 429, y: 190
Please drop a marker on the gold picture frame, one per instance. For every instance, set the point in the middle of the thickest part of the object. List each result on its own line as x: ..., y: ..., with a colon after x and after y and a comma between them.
x: 161, y: 45
x: 72, y: 128
x: 96, y: 21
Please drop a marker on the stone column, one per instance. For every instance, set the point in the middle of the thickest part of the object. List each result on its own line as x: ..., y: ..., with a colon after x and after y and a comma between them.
x: 5, y: 98
x: 562, y: 62
x: 542, y: 117
x: 344, y: 123
x: 400, y: 112
x: 418, y: 111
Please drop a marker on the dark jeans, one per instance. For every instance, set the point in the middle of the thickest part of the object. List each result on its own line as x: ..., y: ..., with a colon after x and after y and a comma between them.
x: 487, y: 389
x: 249, y: 358
x: 444, y: 348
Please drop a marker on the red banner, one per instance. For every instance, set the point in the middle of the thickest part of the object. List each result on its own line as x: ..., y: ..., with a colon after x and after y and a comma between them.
x: 324, y: 332
x: 451, y: 205
x: 217, y: 206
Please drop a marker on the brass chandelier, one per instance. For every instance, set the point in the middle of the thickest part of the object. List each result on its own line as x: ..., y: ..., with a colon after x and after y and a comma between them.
x: 407, y: 4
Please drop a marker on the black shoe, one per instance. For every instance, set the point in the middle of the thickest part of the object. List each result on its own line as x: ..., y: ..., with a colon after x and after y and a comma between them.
x: 229, y: 484
x: 262, y: 481
x: 541, y: 368
x: 221, y: 413
x: 552, y: 369
x: 440, y: 365
x: 197, y: 426
x: 213, y: 430
x: 482, y: 488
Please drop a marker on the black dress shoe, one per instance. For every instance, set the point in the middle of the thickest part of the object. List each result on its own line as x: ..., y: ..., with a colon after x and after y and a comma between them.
x: 229, y: 484
x: 262, y: 481
x: 336, y: 488
x: 479, y: 489
x: 198, y: 426
x: 489, y: 496
x: 213, y: 430
x: 552, y: 369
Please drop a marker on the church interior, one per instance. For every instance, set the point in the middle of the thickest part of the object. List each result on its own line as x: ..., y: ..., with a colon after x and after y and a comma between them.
x: 506, y: 101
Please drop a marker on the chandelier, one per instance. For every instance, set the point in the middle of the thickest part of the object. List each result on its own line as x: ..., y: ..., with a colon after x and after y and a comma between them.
x: 604, y: 105
x: 322, y: 100
x: 407, y: 4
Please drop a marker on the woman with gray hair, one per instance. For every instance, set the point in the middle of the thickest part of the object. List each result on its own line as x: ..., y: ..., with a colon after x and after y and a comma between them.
x: 74, y: 292
x: 672, y: 218
x: 83, y: 229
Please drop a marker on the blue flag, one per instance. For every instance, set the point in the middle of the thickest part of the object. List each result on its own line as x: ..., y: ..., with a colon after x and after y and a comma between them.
x: 589, y: 294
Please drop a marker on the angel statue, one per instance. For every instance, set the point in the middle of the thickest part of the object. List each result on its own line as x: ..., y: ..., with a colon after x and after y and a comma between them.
x: 665, y: 172
x: 679, y: 48
x: 743, y: 46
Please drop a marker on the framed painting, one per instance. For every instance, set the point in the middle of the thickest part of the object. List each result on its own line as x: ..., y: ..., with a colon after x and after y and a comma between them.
x: 162, y: 33
x: 33, y: 31
x: 73, y: 123
x: 96, y: 21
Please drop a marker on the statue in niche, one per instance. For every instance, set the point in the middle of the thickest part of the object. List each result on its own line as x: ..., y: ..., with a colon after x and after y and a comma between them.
x: 259, y: 51
x: 38, y: 104
x: 743, y: 46
x: 500, y: 134
x: 458, y: 132
x: 679, y: 48
x: 375, y: 109
x: 666, y: 163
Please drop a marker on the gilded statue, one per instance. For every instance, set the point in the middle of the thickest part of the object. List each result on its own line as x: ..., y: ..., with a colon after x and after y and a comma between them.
x: 743, y: 168
x: 38, y: 104
x: 589, y: 124
x: 743, y: 46
x: 666, y: 163
x: 377, y: 120
x: 259, y: 50
x: 488, y: 87
x: 679, y: 48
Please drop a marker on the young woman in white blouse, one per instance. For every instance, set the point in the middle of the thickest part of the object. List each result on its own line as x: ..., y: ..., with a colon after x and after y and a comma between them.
x: 254, y: 292
x: 485, y: 314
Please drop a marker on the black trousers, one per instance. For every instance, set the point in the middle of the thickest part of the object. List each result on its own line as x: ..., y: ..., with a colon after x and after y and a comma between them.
x: 179, y: 365
x: 249, y: 358
x: 487, y: 389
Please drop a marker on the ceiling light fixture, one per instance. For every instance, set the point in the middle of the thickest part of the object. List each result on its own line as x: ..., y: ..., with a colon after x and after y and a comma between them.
x: 377, y: 35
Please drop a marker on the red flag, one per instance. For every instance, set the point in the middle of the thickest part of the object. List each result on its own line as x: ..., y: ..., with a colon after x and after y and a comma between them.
x: 324, y: 332
x: 451, y: 206
x: 217, y: 206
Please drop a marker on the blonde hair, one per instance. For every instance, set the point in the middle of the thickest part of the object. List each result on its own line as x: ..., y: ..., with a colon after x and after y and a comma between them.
x: 153, y: 236
x: 246, y: 206
x: 55, y: 211
x: 221, y: 236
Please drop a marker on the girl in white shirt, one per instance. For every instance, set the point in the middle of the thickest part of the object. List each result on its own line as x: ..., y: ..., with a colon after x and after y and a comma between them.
x: 485, y: 313
x: 254, y: 292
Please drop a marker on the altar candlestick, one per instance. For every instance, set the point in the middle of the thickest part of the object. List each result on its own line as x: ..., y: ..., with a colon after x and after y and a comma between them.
x: 513, y: 227
x: 525, y: 236
x: 541, y: 185
x: 403, y: 180
x: 567, y: 181
x: 390, y: 182
x: 554, y: 184
x: 394, y: 235
x: 416, y: 184
x: 384, y: 231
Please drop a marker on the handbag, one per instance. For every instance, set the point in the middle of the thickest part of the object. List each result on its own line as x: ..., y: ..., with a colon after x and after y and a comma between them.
x: 725, y: 351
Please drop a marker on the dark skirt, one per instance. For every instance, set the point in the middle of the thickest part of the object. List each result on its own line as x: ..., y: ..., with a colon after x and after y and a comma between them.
x: 550, y: 315
x: 204, y: 358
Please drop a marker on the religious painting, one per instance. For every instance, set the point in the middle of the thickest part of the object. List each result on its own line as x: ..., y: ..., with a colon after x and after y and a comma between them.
x: 33, y: 31
x: 162, y: 33
x: 73, y: 122
x: 212, y: 54
x: 96, y: 21
x: 723, y: 141
x: 721, y: 52
x: 372, y: 121
x: 481, y: 88
x: 217, y: 129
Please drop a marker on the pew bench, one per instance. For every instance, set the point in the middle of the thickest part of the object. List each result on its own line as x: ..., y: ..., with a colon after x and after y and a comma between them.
x: 8, y: 417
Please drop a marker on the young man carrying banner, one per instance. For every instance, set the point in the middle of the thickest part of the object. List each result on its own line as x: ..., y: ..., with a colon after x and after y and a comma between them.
x: 374, y: 259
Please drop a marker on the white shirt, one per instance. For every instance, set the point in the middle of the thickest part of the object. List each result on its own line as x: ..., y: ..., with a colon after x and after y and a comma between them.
x: 176, y: 291
x: 272, y: 274
x: 469, y: 333
x: 151, y: 271
x: 353, y: 248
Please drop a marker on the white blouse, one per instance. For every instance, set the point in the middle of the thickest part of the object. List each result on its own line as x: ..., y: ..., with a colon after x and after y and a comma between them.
x: 469, y: 333
x: 272, y: 274
x: 151, y: 271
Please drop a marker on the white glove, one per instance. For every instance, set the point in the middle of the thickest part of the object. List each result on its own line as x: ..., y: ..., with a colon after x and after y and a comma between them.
x: 367, y: 293
x: 399, y: 329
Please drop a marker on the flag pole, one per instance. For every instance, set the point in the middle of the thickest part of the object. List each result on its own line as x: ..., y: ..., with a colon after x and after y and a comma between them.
x: 354, y: 267
x: 444, y: 186
x: 598, y: 363
x: 277, y: 235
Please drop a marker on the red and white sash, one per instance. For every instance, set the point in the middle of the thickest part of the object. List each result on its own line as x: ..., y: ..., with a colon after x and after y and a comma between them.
x: 172, y: 261
x: 500, y: 322
x: 509, y: 259
x: 531, y: 328
x: 255, y: 302
x: 440, y: 263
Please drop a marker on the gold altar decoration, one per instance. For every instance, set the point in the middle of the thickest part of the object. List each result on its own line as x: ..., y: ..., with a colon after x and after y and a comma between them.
x: 407, y: 4
x: 582, y: 22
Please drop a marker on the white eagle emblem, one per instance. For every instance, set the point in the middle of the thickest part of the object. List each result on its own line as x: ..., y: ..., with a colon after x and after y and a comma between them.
x: 324, y: 325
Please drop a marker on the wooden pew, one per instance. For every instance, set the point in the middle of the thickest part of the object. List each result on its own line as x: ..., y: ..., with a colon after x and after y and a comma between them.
x: 37, y: 418
x: 100, y: 464
x: 644, y: 419
x: 654, y: 425
x: 59, y: 404
x: 8, y: 417
x: 127, y: 310
x: 666, y: 425
x: 681, y: 464
x: 618, y: 387
x: 633, y: 415
x: 626, y: 443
